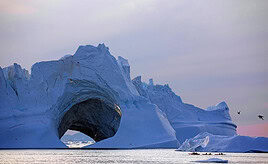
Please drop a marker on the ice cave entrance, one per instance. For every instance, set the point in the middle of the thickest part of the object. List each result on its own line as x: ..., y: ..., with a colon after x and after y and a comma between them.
x: 94, y: 117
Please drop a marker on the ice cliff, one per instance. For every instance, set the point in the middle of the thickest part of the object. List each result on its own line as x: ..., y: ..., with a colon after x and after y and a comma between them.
x: 92, y: 92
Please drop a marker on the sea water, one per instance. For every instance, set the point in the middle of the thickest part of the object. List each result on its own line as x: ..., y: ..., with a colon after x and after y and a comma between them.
x: 68, y: 156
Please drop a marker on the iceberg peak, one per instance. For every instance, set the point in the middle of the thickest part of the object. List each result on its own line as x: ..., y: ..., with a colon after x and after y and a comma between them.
x: 88, y: 50
x: 220, y: 106
x: 15, y: 71
x: 122, y: 61
x: 103, y: 47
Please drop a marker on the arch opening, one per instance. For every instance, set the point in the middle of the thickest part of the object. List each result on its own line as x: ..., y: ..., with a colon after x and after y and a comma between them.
x: 75, y: 139
x: 93, y: 117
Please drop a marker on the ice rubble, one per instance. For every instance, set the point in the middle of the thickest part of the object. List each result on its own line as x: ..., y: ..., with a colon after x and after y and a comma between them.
x: 207, y: 142
x: 33, y: 106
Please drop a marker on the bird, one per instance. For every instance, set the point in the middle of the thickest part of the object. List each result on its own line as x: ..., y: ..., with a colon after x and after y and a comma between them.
x: 238, y: 112
x: 261, y: 117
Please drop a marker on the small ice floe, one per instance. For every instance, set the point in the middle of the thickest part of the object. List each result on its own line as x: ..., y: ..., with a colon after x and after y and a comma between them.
x: 213, y: 160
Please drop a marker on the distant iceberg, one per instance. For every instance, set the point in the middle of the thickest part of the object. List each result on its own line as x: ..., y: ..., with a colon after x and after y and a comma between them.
x: 206, y: 142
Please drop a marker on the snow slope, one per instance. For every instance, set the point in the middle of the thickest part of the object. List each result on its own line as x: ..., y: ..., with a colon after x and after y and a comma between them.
x: 217, y: 143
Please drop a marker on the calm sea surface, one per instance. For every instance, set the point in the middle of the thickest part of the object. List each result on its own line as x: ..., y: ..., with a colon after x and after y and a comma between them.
x: 120, y: 156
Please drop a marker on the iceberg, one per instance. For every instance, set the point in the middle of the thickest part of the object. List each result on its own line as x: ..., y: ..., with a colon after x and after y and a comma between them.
x: 92, y: 92
x: 206, y: 142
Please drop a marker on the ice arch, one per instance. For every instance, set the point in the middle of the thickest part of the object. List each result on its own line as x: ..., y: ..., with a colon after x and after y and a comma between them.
x: 92, y: 117
x: 88, y: 108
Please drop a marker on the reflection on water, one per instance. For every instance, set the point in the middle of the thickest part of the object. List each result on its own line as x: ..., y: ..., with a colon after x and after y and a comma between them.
x: 120, y: 156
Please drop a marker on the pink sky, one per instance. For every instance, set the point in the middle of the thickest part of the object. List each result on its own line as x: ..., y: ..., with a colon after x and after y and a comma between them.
x: 260, y: 130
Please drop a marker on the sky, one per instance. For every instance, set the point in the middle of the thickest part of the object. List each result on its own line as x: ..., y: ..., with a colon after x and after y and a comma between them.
x: 207, y: 51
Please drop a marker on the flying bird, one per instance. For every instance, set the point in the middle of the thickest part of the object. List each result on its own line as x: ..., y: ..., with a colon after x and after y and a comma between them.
x: 261, y: 117
x: 238, y: 112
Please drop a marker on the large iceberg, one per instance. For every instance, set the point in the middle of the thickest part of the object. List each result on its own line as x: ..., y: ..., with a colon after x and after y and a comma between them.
x: 92, y: 92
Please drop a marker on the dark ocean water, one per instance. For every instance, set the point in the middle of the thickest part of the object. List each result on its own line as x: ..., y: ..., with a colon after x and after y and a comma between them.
x: 68, y: 156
